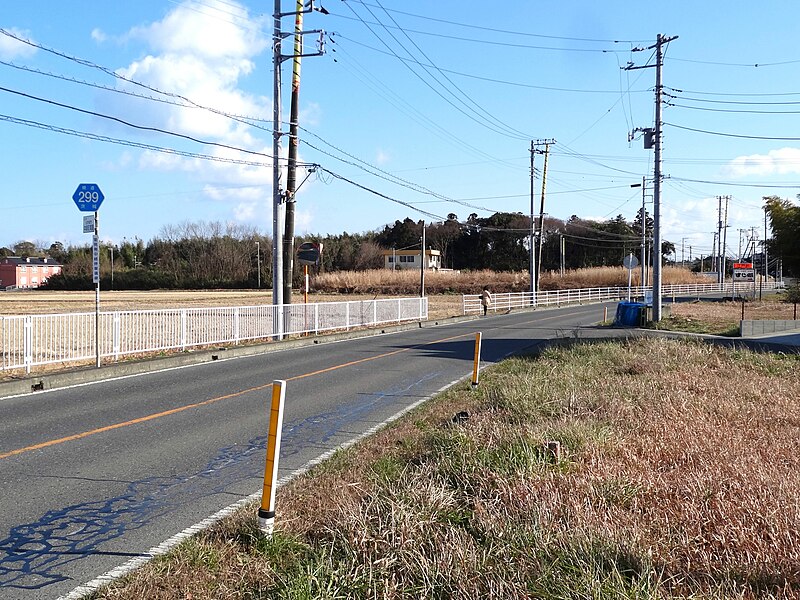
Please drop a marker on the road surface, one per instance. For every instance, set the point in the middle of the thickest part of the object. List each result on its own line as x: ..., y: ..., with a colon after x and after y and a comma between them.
x: 95, y: 474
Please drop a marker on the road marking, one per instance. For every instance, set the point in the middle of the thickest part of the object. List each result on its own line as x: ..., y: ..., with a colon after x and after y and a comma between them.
x: 166, y: 546
x: 85, y: 434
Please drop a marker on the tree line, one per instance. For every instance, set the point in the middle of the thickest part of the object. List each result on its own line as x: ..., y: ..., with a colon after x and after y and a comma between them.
x: 204, y: 255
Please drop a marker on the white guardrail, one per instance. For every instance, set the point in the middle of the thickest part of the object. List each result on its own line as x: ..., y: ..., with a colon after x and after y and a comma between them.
x: 33, y: 340
x: 502, y: 302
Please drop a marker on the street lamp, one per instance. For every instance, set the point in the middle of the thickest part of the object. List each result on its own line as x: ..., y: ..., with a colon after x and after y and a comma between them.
x: 258, y: 262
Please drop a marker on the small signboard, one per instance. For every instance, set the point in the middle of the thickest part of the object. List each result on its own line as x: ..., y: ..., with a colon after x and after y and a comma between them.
x: 96, y: 259
x: 744, y: 276
x: 88, y: 223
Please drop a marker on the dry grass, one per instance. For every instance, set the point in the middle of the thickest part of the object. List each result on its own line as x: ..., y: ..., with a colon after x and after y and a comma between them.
x: 471, y: 282
x: 444, y: 289
x: 722, y: 318
x: 673, y: 482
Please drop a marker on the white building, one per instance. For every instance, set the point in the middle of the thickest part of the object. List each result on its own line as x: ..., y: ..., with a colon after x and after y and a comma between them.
x: 410, y: 259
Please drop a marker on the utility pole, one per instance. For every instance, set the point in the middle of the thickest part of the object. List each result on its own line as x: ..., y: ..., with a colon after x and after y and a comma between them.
x: 258, y: 262
x: 683, y: 246
x: 294, y: 142
x: 280, y: 256
x: 661, y: 41
x: 725, y: 239
x: 643, y: 282
x: 532, y: 239
x: 422, y: 263
x: 719, y: 238
x: 541, y: 213
x: 277, y: 194
x: 563, y: 256
x: 714, y: 256
x: 766, y: 261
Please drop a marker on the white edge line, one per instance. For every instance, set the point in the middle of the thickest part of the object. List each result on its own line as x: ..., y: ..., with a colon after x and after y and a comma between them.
x: 167, y: 545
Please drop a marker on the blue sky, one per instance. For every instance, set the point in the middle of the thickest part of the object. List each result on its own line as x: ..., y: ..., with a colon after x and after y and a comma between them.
x: 431, y: 104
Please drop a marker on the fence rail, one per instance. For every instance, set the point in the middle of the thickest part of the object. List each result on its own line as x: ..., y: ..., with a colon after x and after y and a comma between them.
x: 35, y: 340
x: 502, y: 302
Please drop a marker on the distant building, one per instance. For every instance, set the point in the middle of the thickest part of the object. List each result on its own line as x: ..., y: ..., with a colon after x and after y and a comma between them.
x: 16, y: 272
x: 410, y: 259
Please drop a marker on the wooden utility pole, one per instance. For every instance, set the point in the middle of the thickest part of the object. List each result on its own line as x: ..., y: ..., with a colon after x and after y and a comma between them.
x: 541, y: 213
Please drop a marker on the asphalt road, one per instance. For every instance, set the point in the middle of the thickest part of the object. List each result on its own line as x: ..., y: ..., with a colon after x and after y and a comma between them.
x: 93, y: 475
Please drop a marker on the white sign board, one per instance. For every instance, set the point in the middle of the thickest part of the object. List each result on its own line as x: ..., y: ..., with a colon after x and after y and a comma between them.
x: 95, y: 259
x: 744, y: 275
x: 88, y: 223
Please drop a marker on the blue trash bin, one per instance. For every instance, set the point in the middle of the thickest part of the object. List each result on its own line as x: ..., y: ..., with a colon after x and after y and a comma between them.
x: 629, y: 314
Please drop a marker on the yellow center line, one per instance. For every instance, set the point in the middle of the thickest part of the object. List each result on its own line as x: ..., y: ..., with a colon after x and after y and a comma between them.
x: 166, y: 413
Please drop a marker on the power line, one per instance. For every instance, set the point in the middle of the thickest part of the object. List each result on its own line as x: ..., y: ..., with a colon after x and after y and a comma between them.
x: 733, y: 135
x: 483, y: 78
x: 506, y: 31
x: 475, y: 116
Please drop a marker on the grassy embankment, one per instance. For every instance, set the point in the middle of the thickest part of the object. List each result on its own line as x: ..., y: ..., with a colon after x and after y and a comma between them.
x: 678, y: 477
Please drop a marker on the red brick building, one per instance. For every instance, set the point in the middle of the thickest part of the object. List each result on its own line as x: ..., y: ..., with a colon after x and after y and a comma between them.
x: 31, y: 272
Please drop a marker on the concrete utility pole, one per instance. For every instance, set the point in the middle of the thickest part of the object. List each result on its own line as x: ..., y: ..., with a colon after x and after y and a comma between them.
x: 725, y: 239
x: 282, y: 256
x: 422, y: 264
x: 661, y: 41
x: 533, y: 264
x: 277, y: 194
x: 643, y: 281
x: 532, y: 239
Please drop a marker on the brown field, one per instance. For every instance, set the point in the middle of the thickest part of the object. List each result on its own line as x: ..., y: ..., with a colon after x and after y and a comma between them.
x: 42, y: 302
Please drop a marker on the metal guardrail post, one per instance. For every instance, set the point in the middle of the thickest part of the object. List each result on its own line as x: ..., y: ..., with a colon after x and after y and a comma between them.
x: 115, y: 335
x: 27, y: 343
x: 184, y: 341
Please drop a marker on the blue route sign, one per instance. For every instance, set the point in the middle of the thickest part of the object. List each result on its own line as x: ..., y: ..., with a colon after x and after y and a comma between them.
x: 88, y: 197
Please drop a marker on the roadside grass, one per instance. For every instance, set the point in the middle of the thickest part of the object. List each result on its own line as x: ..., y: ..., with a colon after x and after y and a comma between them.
x: 721, y: 318
x: 678, y: 476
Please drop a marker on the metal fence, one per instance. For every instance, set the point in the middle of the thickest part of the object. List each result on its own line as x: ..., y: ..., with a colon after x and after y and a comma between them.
x: 34, y: 340
x: 503, y: 302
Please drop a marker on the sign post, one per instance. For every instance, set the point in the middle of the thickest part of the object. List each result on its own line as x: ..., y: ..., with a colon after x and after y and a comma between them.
x: 88, y: 198
x: 630, y: 262
x: 743, y: 273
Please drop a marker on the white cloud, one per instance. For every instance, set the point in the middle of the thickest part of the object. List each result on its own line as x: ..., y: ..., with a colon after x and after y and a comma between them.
x: 98, y: 35
x: 776, y: 162
x: 11, y: 48
x: 382, y: 157
x: 205, y: 52
x: 201, y: 52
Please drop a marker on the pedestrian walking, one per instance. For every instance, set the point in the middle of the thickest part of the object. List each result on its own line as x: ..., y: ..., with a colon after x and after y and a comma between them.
x: 486, y: 299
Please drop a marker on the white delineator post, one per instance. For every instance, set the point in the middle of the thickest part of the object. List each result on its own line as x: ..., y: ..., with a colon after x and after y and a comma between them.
x: 266, y: 512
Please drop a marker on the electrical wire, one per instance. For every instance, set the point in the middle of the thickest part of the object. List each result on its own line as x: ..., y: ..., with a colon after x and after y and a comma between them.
x: 483, y: 78
x: 506, y: 31
x: 733, y: 135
